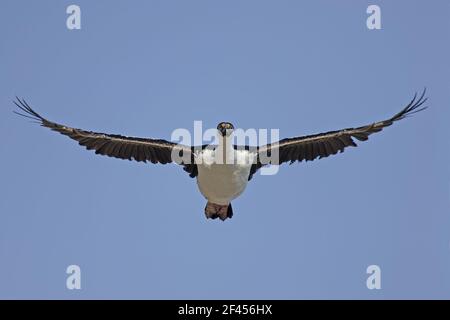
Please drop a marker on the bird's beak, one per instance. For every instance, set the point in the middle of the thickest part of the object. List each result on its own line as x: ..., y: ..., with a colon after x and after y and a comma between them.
x: 223, y: 131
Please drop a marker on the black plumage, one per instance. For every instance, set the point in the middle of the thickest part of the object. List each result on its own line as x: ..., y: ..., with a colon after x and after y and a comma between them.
x: 112, y: 145
x: 325, y: 144
x: 305, y: 148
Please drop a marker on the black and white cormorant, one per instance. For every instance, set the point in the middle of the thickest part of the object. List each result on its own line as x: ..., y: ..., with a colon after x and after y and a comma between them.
x: 221, y: 181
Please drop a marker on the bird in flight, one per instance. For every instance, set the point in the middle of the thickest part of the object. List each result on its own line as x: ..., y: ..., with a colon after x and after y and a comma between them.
x: 221, y: 181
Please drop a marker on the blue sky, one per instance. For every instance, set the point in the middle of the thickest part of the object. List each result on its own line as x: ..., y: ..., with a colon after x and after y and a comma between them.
x: 145, y: 68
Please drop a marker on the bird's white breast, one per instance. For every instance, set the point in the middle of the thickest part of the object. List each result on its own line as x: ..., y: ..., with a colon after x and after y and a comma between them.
x: 222, y: 182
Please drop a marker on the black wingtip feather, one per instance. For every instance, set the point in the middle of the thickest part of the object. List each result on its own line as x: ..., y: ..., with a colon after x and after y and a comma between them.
x: 28, y: 111
x: 414, y: 106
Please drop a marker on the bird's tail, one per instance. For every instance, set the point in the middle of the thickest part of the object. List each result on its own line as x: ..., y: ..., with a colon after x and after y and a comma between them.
x: 214, y: 211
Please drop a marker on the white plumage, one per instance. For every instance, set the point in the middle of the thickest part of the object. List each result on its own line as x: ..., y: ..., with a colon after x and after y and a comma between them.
x: 222, y: 182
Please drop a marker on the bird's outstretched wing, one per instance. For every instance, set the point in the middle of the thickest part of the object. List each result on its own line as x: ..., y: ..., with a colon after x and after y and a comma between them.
x: 325, y: 144
x: 113, y: 145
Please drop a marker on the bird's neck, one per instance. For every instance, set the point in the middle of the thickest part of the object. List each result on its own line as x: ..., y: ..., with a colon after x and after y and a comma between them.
x: 224, y: 147
x: 225, y: 142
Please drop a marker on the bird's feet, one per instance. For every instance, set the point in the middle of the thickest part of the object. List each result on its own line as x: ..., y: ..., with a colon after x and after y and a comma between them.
x: 214, y: 211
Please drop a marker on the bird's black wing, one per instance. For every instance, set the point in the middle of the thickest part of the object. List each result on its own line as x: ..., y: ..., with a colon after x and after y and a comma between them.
x: 329, y: 143
x: 113, y: 145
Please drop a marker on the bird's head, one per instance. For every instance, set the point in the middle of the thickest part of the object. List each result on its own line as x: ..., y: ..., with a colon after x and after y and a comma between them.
x: 225, y: 129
